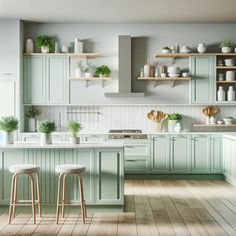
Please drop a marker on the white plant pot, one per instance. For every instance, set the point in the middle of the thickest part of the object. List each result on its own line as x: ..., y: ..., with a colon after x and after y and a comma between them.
x: 78, y: 73
x: 46, y: 138
x: 88, y: 75
x: 74, y: 140
x: 45, y: 49
x: 31, y: 124
x: 171, y: 125
x: 8, y: 138
x: 226, y: 50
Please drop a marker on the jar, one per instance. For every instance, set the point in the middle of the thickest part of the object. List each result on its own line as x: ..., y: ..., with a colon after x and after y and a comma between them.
x: 220, y: 94
x: 231, y: 94
x: 29, y: 46
x: 178, y: 128
x: 201, y: 48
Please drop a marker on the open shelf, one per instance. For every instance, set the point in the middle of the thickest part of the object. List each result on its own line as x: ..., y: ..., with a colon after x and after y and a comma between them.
x: 226, y: 67
x: 226, y: 82
x: 87, y: 55
x: 102, y: 79
x: 186, y: 55
x: 215, y: 125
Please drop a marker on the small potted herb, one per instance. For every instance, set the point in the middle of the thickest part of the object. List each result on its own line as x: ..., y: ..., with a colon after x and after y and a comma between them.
x: 46, y: 127
x: 31, y: 114
x: 79, y: 70
x: 173, y: 119
x: 89, y: 70
x: 8, y: 124
x: 74, y: 128
x: 166, y: 50
x: 103, y: 71
x: 44, y: 42
x: 226, y: 46
x: 228, y: 120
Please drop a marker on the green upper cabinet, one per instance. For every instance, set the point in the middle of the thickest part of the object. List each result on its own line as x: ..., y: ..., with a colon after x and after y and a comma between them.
x: 200, y: 153
x: 45, y: 79
x: 160, y: 154
x: 34, y: 78
x: 180, y: 153
x: 202, y: 70
x: 216, y: 154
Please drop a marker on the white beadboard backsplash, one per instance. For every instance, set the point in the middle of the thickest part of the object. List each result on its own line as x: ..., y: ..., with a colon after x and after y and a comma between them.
x: 100, y: 119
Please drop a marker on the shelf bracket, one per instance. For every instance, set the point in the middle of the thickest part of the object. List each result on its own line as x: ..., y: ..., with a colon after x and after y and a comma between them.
x: 87, y: 82
x: 173, y: 60
x: 154, y: 83
x: 173, y: 83
x: 103, y: 83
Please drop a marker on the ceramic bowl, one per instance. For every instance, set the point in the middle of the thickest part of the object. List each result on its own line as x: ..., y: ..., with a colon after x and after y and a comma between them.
x: 230, y: 75
x: 173, y: 70
x: 163, y: 75
x: 185, y: 74
x: 220, y: 122
x: 165, y: 51
x: 228, y: 121
x: 173, y: 75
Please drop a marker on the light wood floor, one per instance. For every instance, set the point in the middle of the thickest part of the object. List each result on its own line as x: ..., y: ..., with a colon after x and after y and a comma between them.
x: 152, y: 207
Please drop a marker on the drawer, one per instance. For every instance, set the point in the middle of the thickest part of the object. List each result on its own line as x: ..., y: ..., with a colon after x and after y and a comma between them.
x: 136, y: 166
x: 93, y: 138
x: 137, y: 150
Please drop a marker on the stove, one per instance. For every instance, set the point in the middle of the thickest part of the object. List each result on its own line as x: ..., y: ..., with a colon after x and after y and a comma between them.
x: 126, y: 134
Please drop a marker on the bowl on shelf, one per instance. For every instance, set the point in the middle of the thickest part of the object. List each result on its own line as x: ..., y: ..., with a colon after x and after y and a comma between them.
x: 230, y: 75
x: 229, y: 62
x: 228, y: 120
x: 165, y: 51
x: 173, y: 70
x: 173, y: 75
x: 185, y: 49
x: 185, y: 74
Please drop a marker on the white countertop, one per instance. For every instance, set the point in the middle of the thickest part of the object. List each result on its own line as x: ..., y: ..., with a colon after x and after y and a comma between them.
x: 63, y: 145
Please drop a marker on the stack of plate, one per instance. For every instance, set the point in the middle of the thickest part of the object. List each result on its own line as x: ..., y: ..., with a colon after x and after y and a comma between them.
x: 229, y: 62
x: 173, y: 71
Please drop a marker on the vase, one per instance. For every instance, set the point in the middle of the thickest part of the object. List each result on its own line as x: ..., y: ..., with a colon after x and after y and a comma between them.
x: 171, y: 125
x: 74, y: 140
x: 220, y: 94
x: 231, y: 94
x: 45, y: 49
x: 212, y: 120
x: 46, y: 138
x: 158, y: 127
x: 56, y: 48
x: 31, y: 124
x: 78, y: 48
x: 64, y: 49
x: 8, y: 138
x: 78, y: 73
x: 178, y: 128
x: 146, y: 70
x: 226, y: 49
x: 29, y: 46
x: 201, y: 48
x: 88, y: 75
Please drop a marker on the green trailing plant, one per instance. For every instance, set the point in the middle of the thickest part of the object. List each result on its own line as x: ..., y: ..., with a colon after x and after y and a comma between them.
x: 174, y: 116
x: 32, y: 112
x: 46, y: 126
x: 44, y: 41
x: 227, y: 43
x: 74, y: 127
x: 166, y: 48
x: 9, y: 123
x: 90, y: 67
x: 103, y: 70
x: 79, y: 65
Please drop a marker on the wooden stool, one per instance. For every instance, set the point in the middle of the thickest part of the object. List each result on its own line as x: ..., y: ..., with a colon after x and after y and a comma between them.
x: 30, y: 170
x: 64, y: 170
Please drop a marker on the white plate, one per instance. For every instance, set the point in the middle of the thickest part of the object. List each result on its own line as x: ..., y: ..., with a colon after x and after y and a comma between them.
x: 173, y: 75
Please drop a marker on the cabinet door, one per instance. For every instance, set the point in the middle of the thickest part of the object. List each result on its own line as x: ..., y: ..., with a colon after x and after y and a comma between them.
x: 160, y: 154
x: 56, y: 79
x: 202, y: 70
x: 140, y: 165
x: 200, y: 154
x: 216, y: 154
x: 110, y: 177
x: 227, y: 157
x: 180, y: 153
x: 34, y: 80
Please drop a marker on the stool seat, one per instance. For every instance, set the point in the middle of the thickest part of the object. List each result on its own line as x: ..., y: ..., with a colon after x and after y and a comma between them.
x: 24, y: 169
x: 70, y: 169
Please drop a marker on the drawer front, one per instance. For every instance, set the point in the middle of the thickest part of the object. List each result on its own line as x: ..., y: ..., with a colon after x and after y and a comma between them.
x: 93, y: 138
x: 137, y: 166
x: 137, y: 150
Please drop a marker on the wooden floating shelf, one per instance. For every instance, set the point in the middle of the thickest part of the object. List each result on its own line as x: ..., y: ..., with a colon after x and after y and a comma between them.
x: 186, y: 55
x: 90, y: 55
x: 92, y: 78
x: 165, y: 79
x: 215, y: 125
x: 226, y: 67
x: 226, y: 82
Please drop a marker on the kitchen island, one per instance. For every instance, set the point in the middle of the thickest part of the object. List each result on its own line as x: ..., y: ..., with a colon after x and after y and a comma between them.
x: 103, y: 179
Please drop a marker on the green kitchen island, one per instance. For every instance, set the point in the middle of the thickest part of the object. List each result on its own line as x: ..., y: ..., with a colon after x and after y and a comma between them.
x: 103, y: 179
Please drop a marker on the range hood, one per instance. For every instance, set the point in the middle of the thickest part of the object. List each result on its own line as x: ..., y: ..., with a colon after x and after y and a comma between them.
x: 124, y: 83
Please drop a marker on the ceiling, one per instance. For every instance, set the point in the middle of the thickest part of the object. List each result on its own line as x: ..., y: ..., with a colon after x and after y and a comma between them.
x: 116, y: 11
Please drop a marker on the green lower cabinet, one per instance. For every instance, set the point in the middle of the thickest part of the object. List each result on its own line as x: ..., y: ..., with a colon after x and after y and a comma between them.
x: 160, y: 154
x: 200, y: 154
x: 137, y: 165
x: 110, y: 177
x: 216, y: 154
x: 180, y: 154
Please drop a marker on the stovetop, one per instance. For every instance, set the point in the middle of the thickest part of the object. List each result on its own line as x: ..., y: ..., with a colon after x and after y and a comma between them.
x: 125, y: 131
x: 126, y: 134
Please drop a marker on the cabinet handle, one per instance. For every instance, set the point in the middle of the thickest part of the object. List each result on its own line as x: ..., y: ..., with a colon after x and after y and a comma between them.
x: 132, y: 160
x: 4, y: 74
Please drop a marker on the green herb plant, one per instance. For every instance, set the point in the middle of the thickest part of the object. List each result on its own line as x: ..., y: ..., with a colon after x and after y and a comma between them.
x: 103, y: 70
x: 44, y: 41
x: 174, y: 116
x: 9, y: 123
x: 46, y: 126
x: 80, y: 65
x: 227, y: 43
x: 90, y: 67
x: 32, y: 112
x: 74, y: 127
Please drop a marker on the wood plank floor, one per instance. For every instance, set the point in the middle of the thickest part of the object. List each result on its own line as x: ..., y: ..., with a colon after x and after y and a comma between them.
x: 152, y: 207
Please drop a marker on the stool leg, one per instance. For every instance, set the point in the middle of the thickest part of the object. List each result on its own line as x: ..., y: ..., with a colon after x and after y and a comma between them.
x: 63, y: 195
x: 58, y: 195
x: 11, y: 198
x: 82, y: 197
x: 33, y: 197
x: 39, y: 194
x: 15, y: 196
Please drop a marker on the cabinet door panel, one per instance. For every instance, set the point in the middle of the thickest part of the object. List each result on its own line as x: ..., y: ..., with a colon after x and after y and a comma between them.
x: 136, y: 165
x: 216, y: 154
x: 56, y: 79
x: 200, y: 154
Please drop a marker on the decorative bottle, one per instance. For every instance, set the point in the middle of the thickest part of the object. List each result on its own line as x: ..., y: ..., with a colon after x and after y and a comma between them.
x: 29, y: 46
x: 178, y: 128
x: 78, y: 46
x: 220, y: 94
x: 231, y: 94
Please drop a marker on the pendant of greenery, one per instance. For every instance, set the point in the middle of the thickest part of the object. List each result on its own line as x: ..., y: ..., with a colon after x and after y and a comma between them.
x: 44, y: 41
x: 74, y: 127
x: 174, y: 116
x: 32, y: 112
x: 103, y: 70
x: 46, y: 126
x: 9, y: 123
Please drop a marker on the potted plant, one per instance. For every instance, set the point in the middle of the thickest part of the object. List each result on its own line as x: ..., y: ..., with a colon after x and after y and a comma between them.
x: 44, y: 42
x: 173, y: 119
x: 226, y: 46
x: 79, y: 70
x: 89, y: 70
x: 103, y: 71
x: 8, y: 124
x: 31, y: 114
x: 46, y: 127
x: 74, y: 128
x: 228, y: 120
